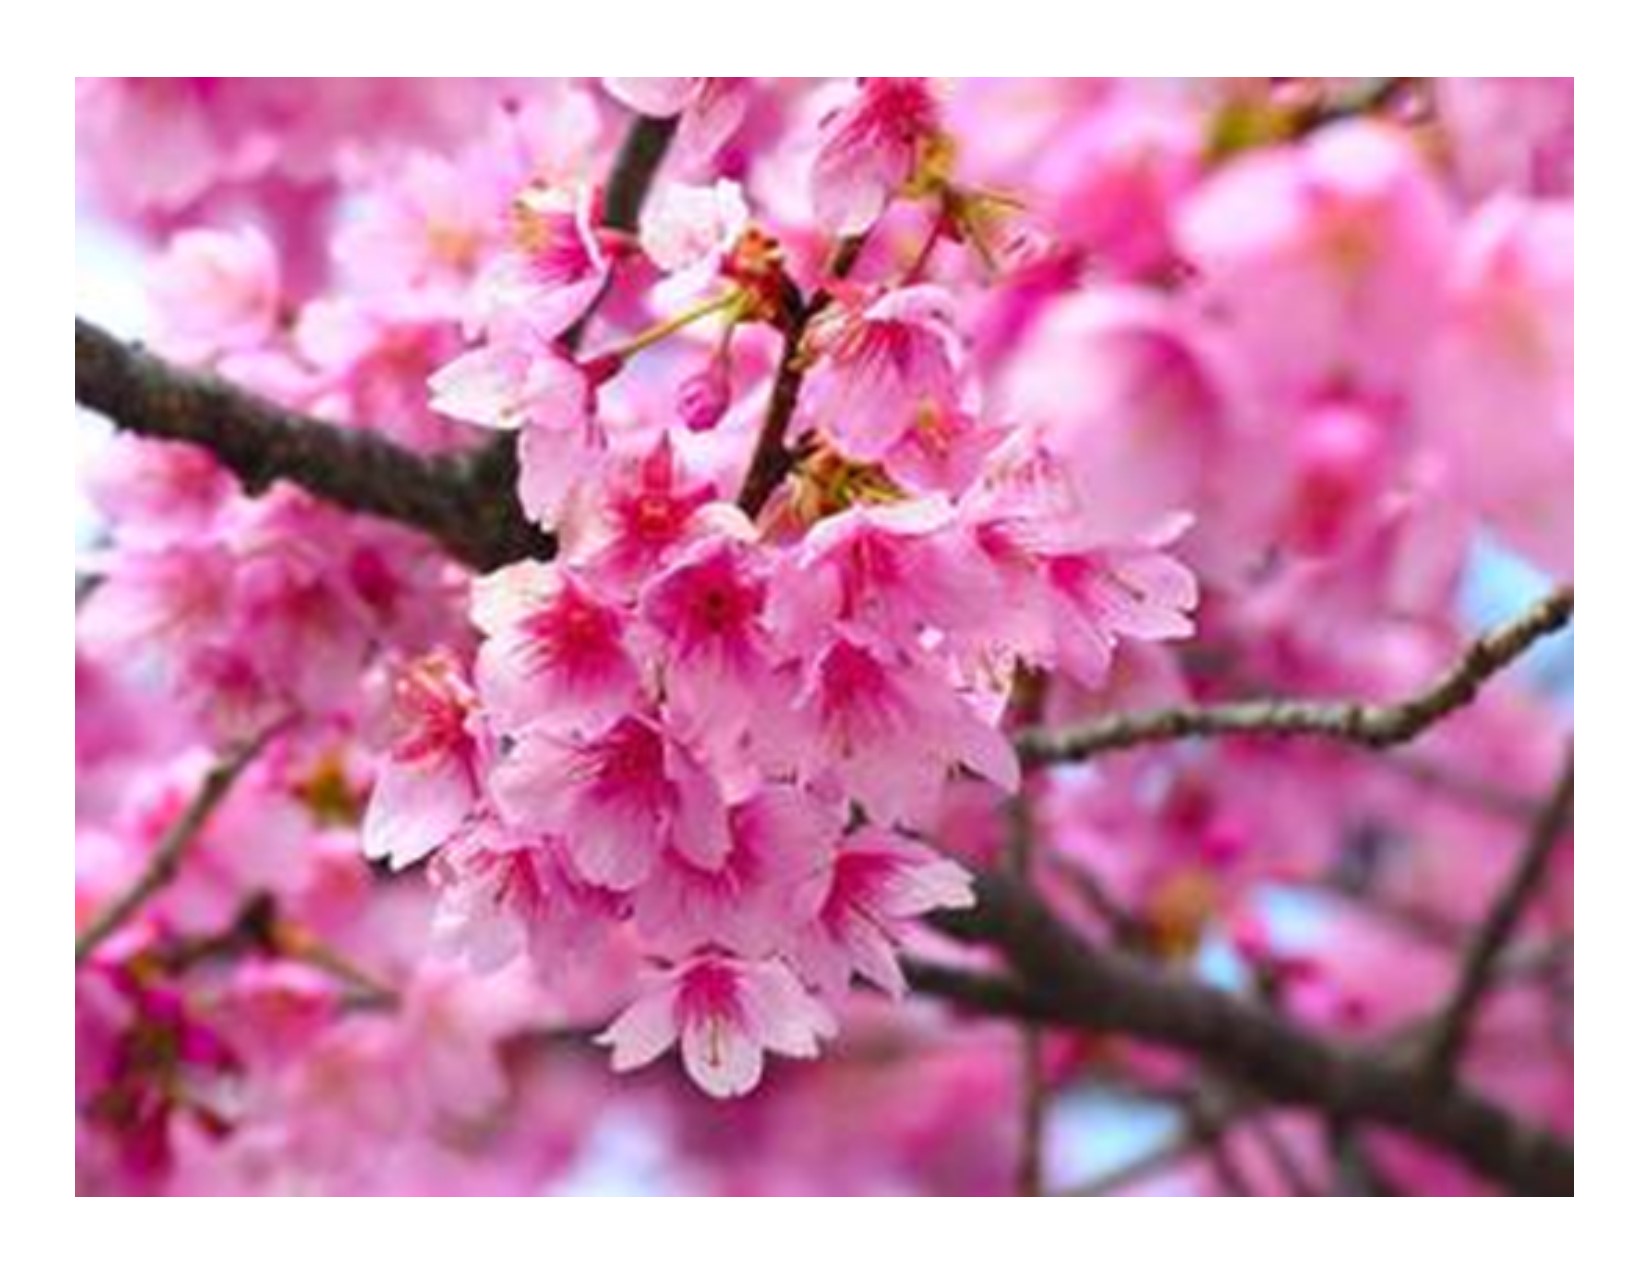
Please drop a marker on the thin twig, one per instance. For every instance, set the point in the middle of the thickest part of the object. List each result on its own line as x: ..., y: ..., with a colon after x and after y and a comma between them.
x: 174, y: 844
x: 1370, y: 725
x: 1500, y: 924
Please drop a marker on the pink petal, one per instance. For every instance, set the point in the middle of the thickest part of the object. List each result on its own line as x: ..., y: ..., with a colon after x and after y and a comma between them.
x: 644, y: 1031
x: 415, y: 807
x: 722, y: 1059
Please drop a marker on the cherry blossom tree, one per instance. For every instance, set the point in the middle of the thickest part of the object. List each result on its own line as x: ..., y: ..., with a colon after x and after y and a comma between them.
x: 892, y: 635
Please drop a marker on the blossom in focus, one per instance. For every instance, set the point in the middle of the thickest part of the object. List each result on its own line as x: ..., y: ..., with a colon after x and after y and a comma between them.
x: 870, y: 148
x: 727, y: 1014
x: 428, y: 783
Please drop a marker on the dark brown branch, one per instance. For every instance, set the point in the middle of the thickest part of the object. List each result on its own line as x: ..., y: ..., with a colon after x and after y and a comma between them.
x: 468, y: 505
x: 168, y: 856
x: 1061, y: 979
x: 640, y: 157
x: 1478, y: 966
x: 1369, y: 725
x: 772, y: 459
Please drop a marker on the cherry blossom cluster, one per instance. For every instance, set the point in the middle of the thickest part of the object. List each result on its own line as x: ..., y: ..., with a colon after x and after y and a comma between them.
x: 724, y: 732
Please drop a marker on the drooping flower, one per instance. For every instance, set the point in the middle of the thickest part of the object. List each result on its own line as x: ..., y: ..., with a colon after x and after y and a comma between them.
x: 620, y: 797
x: 687, y: 231
x: 648, y: 508
x: 704, y: 617
x: 876, y: 884
x: 882, y: 362
x: 908, y: 572
x: 502, y: 894
x: 888, y: 727
x: 872, y: 147
x: 754, y: 900
x: 1071, y: 591
x: 726, y: 1013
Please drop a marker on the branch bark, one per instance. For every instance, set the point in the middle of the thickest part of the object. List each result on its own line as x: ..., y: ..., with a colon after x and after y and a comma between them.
x: 163, y: 865
x: 1370, y: 725
x: 467, y: 504
x: 771, y: 460
x: 1477, y: 974
x: 1058, y: 978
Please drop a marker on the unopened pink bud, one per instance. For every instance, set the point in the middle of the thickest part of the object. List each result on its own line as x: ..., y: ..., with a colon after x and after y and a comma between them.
x: 702, y: 400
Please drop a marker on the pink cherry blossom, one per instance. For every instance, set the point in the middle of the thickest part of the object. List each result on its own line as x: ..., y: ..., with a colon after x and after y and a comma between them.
x: 549, y: 399
x: 1075, y: 592
x: 889, y: 728
x: 650, y: 507
x: 705, y: 618
x: 884, y: 362
x: 429, y: 782
x: 687, y: 231
x: 1505, y: 365
x: 216, y: 292
x: 870, y: 149
x: 903, y: 572
x: 1327, y: 260
x: 555, y: 652
x: 877, y: 882
x: 726, y: 1013
x: 754, y: 900
x: 621, y: 797
x: 710, y: 108
x: 502, y: 895
x: 556, y: 265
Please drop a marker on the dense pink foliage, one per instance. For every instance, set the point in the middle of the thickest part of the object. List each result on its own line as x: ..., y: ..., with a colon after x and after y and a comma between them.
x: 1110, y: 404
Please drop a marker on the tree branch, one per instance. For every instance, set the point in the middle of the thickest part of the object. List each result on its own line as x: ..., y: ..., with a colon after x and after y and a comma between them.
x: 1060, y: 979
x: 1477, y: 974
x: 637, y: 163
x: 468, y: 504
x: 771, y: 460
x: 1370, y: 725
x: 168, y: 857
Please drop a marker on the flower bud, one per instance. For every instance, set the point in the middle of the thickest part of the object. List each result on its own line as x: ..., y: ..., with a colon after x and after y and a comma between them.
x: 702, y: 400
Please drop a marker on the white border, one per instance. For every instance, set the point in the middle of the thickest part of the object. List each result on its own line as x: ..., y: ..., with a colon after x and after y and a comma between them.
x: 798, y: 1237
